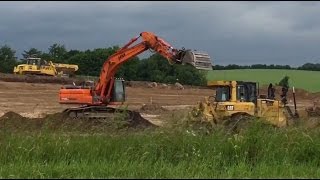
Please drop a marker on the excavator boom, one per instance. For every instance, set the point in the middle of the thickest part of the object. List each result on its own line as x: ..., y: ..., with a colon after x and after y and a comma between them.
x: 109, y: 90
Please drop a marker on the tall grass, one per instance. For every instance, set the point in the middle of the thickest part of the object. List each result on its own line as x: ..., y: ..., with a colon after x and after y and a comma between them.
x: 259, y: 151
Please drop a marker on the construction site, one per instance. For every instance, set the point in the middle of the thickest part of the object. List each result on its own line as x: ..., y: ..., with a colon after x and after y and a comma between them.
x: 179, y: 90
x: 111, y: 127
x: 38, y: 97
x: 43, y: 91
x: 142, y: 96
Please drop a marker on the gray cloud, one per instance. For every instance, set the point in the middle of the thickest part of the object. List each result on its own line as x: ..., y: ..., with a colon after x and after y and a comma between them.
x: 231, y: 32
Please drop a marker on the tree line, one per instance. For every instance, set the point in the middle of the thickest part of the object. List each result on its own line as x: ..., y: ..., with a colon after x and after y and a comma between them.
x: 154, y: 68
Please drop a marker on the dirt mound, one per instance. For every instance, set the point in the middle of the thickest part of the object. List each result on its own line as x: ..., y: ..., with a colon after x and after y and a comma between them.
x: 11, y: 115
x: 14, y: 122
x: 139, y: 121
x: 152, y: 108
x: 178, y: 86
x: 38, y: 79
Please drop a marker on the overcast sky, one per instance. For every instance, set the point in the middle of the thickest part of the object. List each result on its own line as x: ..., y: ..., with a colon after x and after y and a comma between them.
x: 231, y: 32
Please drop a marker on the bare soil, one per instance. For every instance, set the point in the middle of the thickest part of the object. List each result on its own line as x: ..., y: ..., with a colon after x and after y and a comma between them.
x: 36, y: 97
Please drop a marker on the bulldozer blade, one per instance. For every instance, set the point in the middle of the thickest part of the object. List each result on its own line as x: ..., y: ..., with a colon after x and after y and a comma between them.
x: 200, y: 60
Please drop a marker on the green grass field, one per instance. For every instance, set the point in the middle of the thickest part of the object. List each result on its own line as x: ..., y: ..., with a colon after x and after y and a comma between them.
x: 308, y: 80
x: 258, y: 152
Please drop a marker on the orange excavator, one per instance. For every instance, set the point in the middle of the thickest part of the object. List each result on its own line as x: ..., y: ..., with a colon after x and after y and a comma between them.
x: 96, y: 98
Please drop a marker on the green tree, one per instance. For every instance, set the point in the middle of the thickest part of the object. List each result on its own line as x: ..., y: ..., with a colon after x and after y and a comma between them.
x: 157, y: 68
x: 71, y: 53
x: 187, y: 74
x: 129, y: 69
x: 7, y: 59
x: 32, y: 52
x: 91, y: 62
x: 57, y: 52
x: 45, y: 56
x: 284, y: 82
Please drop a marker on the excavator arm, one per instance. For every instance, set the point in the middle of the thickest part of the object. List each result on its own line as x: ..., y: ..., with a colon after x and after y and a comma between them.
x: 114, y: 62
x: 101, y: 93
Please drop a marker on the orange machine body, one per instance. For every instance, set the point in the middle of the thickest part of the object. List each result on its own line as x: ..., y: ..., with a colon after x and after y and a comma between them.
x: 108, y: 90
x: 75, y: 96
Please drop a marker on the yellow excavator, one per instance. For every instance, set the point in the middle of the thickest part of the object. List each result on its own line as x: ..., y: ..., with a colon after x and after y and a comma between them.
x: 237, y: 100
x: 38, y: 66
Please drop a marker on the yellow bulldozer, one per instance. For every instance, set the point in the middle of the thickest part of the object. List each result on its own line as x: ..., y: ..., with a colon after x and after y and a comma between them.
x: 38, y: 66
x: 237, y: 100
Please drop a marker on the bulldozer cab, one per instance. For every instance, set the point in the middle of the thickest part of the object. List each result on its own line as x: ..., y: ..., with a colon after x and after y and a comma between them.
x: 222, y: 94
x: 247, y: 91
x: 36, y: 62
x: 236, y: 91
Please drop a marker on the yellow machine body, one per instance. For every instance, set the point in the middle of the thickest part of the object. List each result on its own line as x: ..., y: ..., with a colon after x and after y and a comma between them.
x: 240, y: 98
x: 37, y: 66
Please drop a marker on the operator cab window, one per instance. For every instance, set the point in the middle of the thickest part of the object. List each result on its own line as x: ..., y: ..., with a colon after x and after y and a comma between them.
x: 118, y: 91
x: 241, y: 93
x: 246, y: 92
x: 222, y: 94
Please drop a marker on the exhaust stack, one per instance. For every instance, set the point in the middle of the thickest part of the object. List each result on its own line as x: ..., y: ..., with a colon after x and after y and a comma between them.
x: 200, y: 60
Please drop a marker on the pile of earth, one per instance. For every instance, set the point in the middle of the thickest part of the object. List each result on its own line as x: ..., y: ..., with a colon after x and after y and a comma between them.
x: 14, y: 122
x: 38, y: 79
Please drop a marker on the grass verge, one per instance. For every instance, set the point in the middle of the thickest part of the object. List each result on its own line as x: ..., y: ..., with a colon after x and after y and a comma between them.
x: 258, y: 151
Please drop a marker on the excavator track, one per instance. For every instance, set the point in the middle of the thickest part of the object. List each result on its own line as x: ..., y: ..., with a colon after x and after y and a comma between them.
x: 107, y: 113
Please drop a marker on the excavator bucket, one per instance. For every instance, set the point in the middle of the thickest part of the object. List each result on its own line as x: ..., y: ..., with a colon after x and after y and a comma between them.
x: 200, y: 60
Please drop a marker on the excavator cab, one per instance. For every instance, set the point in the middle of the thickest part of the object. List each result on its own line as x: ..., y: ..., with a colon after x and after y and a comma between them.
x: 82, y: 94
x: 119, y: 91
x: 238, y: 91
